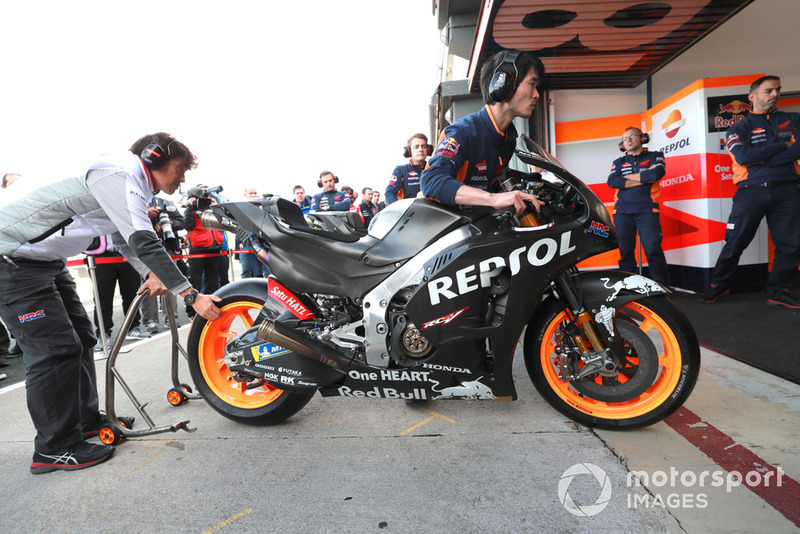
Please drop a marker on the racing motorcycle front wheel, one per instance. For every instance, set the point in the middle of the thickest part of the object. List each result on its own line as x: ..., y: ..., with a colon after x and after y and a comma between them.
x: 661, y: 362
x: 254, y: 402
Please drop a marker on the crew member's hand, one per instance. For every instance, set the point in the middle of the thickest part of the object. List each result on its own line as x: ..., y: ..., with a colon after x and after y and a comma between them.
x: 206, y: 308
x: 516, y: 199
x: 154, y: 285
x: 152, y: 212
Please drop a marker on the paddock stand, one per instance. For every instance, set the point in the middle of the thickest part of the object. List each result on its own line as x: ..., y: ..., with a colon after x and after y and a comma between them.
x: 113, y: 432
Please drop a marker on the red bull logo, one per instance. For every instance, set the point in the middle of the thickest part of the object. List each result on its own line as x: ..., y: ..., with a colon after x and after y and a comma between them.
x: 735, y: 108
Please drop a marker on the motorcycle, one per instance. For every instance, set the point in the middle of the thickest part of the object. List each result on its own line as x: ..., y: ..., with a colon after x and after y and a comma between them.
x: 430, y: 302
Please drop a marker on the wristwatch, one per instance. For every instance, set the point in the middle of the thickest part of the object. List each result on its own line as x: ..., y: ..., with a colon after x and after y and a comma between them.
x: 190, y: 297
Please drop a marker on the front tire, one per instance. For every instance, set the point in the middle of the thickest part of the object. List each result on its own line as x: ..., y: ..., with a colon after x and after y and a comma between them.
x: 244, y: 402
x: 662, y: 350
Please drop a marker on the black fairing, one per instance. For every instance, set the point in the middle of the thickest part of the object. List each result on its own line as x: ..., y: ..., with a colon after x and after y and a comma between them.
x: 459, y: 282
x: 312, y: 260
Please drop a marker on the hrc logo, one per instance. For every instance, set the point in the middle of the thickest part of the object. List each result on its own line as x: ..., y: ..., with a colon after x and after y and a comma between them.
x: 599, y: 229
x: 31, y: 316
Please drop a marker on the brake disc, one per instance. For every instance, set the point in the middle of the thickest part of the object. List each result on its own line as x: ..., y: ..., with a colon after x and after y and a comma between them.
x: 637, y: 345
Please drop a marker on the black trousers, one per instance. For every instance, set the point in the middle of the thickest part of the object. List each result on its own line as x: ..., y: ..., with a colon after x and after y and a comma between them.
x: 40, y: 304
x: 108, y: 275
x: 5, y: 341
x: 204, y: 272
x: 780, y: 204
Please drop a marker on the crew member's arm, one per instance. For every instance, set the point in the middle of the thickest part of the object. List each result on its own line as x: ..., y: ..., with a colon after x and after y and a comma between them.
x: 137, y: 240
x: 342, y: 205
x: 472, y: 196
x: 792, y: 153
x: 395, y: 185
x: 743, y: 153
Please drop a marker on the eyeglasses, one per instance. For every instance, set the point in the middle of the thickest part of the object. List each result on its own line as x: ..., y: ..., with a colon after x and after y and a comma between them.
x: 630, y: 136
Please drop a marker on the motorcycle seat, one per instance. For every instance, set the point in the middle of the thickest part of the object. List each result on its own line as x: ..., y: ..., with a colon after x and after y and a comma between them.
x: 338, y: 226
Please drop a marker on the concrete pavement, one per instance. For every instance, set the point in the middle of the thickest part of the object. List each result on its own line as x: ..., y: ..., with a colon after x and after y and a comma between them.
x: 367, y: 465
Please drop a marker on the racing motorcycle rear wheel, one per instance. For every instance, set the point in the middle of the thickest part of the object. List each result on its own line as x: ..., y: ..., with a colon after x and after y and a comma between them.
x: 252, y: 403
x: 660, y: 367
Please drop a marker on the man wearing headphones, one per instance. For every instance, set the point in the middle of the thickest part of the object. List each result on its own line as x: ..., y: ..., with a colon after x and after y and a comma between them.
x: 635, y: 176
x: 404, y: 182
x: 330, y: 199
x: 39, y: 300
x: 473, y: 151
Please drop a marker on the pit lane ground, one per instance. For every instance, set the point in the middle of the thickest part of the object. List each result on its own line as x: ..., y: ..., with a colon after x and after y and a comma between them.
x: 364, y: 465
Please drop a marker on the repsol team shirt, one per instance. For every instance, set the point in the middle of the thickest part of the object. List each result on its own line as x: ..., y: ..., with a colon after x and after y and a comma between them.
x: 472, y: 151
x: 644, y: 198
x: 758, y: 146
x: 404, y: 182
x: 333, y: 201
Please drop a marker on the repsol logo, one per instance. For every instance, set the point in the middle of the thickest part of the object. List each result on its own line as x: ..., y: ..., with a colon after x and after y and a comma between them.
x: 480, y: 275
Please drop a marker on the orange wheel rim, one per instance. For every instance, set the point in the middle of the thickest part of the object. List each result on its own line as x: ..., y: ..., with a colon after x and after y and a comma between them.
x: 173, y: 397
x: 106, y: 436
x: 236, y: 318
x: 669, y: 369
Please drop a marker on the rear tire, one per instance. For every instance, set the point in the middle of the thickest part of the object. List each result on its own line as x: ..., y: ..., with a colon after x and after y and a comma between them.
x: 260, y: 405
x: 662, y: 366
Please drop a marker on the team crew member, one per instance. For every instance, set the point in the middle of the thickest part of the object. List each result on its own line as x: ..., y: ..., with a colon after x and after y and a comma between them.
x: 405, y: 178
x: 473, y: 151
x: 765, y: 170
x: 38, y: 297
x: 635, y: 176
x: 367, y: 208
x: 330, y: 199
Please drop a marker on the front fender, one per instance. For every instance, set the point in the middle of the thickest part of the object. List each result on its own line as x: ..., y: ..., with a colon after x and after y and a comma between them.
x: 606, y: 291
x: 616, y: 288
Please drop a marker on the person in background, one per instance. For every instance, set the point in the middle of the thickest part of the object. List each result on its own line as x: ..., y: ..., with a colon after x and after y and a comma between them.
x: 367, y: 209
x: 352, y: 195
x: 376, y: 199
x: 636, y: 177
x: 251, y: 266
x: 330, y: 199
x: 202, y: 242
x: 405, y: 180
x: 5, y: 340
x: 765, y: 153
x: 116, y: 272
x: 9, y: 178
x: 157, y: 209
x: 301, y: 199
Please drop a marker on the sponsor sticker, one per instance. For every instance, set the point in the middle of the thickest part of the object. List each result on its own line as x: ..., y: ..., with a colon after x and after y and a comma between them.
x: 289, y: 300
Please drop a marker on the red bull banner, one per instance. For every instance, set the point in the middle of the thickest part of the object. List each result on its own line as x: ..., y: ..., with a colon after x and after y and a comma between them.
x: 696, y: 193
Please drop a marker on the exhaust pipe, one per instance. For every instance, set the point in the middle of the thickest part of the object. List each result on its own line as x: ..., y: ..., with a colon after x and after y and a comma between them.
x: 283, y: 336
x: 211, y: 222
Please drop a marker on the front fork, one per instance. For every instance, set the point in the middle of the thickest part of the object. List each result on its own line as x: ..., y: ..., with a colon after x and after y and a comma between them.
x: 596, y: 355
